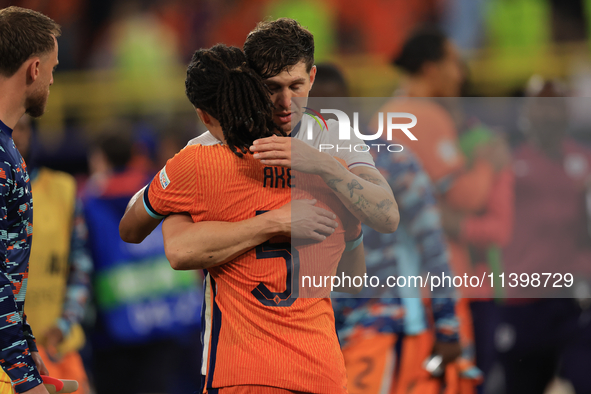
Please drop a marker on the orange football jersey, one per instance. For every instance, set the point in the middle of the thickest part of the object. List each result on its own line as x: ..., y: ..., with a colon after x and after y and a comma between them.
x: 256, y: 329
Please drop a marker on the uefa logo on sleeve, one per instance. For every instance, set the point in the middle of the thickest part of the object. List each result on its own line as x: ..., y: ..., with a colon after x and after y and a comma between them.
x: 164, y: 181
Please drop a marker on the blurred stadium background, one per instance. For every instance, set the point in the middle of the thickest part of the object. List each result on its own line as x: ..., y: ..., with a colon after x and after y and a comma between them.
x: 126, y: 59
x: 122, y: 62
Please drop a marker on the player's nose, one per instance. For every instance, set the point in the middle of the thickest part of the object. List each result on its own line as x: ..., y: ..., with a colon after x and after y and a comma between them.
x: 283, y: 100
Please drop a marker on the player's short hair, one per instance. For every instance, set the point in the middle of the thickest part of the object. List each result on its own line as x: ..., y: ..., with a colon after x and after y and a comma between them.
x: 220, y: 82
x: 24, y: 33
x: 423, y: 46
x: 275, y: 46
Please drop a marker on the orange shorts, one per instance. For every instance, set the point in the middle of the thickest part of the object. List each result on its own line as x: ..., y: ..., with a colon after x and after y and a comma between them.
x: 370, y: 362
x: 412, y: 377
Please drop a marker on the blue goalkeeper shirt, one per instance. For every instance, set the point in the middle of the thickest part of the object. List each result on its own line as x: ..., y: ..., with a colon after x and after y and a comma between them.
x: 16, y: 230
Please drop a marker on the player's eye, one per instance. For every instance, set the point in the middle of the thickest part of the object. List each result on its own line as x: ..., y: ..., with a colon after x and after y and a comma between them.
x: 274, y: 89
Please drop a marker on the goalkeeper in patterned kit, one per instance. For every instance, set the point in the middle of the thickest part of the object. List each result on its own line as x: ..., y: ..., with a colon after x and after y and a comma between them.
x: 258, y: 335
x: 59, y: 267
x: 28, y: 55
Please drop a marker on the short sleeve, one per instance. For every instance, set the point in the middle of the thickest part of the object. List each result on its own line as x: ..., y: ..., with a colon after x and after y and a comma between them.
x: 173, y: 189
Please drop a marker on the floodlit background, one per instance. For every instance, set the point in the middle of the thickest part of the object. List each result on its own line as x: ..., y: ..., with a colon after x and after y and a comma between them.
x: 126, y: 59
x: 121, y: 74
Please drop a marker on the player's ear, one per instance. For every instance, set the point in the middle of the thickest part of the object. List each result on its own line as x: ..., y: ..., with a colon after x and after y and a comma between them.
x: 203, y: 116
x: 312, y: 76
x: 33, y: 69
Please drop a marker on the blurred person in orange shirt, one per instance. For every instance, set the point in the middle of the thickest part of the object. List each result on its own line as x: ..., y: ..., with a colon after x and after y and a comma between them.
x: 433, y: 68
x: 483, y: 234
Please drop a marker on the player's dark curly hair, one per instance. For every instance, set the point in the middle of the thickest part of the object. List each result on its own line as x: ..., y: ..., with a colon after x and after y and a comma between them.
x: 220, y: 82
x: 274, y: 46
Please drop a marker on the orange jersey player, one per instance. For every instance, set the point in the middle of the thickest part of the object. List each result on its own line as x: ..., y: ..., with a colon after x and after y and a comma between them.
x: 262, y: 329
x: 257, y: 330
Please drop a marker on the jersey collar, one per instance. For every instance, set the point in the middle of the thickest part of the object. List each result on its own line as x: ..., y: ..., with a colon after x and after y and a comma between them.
x: 295, y: 130
x: 5, y: 129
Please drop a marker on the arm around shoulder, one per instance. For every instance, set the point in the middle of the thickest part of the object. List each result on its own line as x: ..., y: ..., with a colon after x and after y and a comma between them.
x: 189, y: 245
x: 200, y: 245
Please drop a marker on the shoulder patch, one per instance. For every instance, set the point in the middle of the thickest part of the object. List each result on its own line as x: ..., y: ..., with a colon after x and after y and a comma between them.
x: 164, y: 181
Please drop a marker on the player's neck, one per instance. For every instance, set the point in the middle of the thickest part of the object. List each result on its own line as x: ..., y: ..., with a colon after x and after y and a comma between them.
x: 12, y: 102
x: 418, y: 87
x: 217, y: 132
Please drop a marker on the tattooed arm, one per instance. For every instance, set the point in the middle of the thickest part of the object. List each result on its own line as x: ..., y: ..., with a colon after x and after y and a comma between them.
x: 363, y: 190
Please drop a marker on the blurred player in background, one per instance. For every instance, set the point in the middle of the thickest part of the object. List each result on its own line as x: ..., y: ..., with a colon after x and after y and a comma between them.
x: 432, y: 68
x: 484, y: 232
x: 59, y: 278
x: 145, y: 338
x: 28, y: 56
x: 260, y: 335
x: 329, y: 82
x: 369, y: 329
x: 537, y: 339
